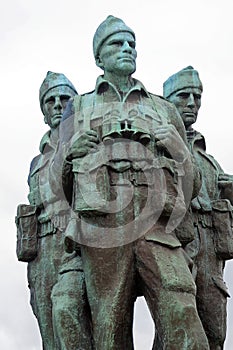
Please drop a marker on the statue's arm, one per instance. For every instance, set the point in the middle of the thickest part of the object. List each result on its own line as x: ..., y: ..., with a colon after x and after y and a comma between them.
x: 179, y: 151
x: 225, y: 183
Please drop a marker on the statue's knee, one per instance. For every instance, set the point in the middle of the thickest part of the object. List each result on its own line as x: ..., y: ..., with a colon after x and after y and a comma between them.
x: 182, y: 309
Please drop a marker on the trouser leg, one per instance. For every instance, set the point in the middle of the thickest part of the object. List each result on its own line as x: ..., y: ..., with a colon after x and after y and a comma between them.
x: 169, y: 290
x: 41, y: 305
x: 211, y: 305
x: 71, y: 313
x: 42, y: 275
x: 109, y: 279
x: 211, y: 290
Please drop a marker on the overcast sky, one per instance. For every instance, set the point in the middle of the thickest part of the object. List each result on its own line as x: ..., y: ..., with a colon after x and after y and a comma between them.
x: 37, y: 36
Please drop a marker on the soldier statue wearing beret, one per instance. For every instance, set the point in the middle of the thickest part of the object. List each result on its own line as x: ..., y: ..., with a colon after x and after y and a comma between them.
x: 40, y: 238
x: 133, y: 179
x: 211, y: 211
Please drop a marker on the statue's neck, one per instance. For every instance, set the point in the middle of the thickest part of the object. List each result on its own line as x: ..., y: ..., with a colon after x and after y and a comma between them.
x: 122, y: 83
x: 190, y: 133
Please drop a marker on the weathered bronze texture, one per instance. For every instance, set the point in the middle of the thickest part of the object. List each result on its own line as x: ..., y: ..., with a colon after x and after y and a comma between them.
x: 56, y: 279
x: 211, y: 212
x: 136, y: 142
x: 120, y: 207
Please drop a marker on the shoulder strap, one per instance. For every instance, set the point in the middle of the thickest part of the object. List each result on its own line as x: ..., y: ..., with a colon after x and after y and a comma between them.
x: 77, y: 112
x: 162, y: 112
x: 83, y: 109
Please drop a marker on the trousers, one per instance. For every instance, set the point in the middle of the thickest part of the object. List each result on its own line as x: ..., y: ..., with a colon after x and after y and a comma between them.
x: 113, y: 276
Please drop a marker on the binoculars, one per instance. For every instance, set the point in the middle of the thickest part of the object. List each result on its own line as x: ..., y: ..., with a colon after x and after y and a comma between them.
x: 125, y: 124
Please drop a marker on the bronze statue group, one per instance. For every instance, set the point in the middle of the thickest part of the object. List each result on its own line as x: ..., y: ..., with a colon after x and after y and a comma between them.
x: 124, y: 202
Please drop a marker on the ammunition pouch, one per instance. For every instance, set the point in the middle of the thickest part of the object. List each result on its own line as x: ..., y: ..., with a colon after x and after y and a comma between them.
x: 223, y: 228
x: 91, y: 189
x: 95, y: 177
x: 185, y: 230
x: 26, y: 222
x: 162, y: 176
x: 168, y: 186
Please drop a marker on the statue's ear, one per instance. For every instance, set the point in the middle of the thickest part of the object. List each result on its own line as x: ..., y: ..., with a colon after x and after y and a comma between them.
x: 45, y: 120
x: 99, y: 62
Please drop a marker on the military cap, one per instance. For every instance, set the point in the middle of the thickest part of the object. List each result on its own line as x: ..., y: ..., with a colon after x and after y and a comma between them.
x: 185, y: 78
x: 111, y: 25
x: 51, y: 81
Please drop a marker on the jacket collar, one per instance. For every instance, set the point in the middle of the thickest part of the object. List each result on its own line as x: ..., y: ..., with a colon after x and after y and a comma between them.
x: 102, y: 85
x: 48, y: 142
x: 196, y: 138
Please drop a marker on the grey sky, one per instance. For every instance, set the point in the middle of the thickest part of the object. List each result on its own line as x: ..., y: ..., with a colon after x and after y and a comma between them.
x: 37, y: 36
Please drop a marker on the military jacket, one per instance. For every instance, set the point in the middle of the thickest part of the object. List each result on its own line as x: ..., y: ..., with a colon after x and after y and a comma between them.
x: 52, y: 210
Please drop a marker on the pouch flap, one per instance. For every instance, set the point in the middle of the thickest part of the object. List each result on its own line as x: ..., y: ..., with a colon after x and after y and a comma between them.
x: 26, y: 210
x: 223, y: 205
x: 163, y: 238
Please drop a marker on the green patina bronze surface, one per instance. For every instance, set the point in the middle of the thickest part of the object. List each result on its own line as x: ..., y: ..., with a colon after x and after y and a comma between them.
x: 211, y: 212
x: 122, y: 256
x: 56, y: 279
x: 118, y: 209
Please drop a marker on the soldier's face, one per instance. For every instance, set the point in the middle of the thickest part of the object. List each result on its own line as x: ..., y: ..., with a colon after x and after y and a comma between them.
x: 54, y: 104
x: 118, y: 54
x: 188, y: 102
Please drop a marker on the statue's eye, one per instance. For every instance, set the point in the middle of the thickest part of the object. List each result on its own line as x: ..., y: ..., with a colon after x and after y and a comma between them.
x: 132, y: 44
x: 65, y: 98
x: 117, y: 43
x: 50, y: 100
x: 183, y: 95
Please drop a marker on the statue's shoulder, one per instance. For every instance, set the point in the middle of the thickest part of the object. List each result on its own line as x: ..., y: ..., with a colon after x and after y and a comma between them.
x: 199, y: 141
x: 158, y: 98
x: 33, y: 166
x: 199, y: 147
x: 208, y: 157
x: 169, y: 111
x: 81, y: 96
x: 163, y: 105
x: 35, y: 162
x: 74, y: 104
x: 83, y: 100
x: 162, y: 102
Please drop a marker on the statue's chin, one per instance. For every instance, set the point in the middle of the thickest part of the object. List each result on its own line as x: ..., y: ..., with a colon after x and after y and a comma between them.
x: 189, y: 118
